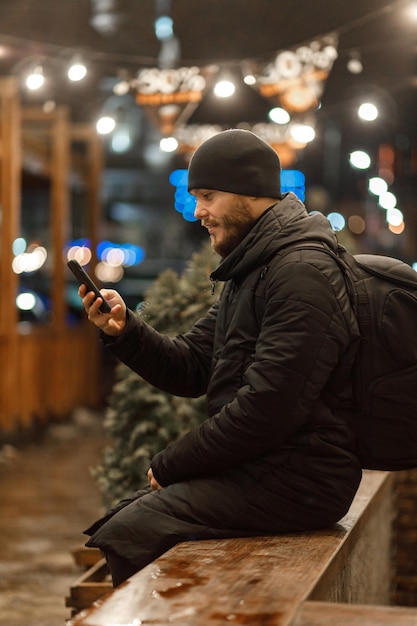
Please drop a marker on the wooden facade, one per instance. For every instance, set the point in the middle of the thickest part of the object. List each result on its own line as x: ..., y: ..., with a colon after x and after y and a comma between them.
x: 51, y: 367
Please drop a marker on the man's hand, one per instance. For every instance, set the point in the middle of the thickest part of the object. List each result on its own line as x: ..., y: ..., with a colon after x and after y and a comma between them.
x: 153, y: 482
x: 111, y: 323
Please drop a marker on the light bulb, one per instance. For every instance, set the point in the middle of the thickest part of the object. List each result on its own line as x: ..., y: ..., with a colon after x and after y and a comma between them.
x: 35, y: 80
x: 77, y: 71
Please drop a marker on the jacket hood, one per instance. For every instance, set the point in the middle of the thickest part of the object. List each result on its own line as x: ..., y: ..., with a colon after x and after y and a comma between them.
x: 286, y: 222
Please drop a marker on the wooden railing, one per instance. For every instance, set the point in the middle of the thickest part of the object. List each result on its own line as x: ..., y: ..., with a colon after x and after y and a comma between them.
x: 334, y: 577
x: 46, y: 374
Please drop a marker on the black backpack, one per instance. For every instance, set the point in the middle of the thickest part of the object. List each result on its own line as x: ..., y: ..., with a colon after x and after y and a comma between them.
x: 383, y: 292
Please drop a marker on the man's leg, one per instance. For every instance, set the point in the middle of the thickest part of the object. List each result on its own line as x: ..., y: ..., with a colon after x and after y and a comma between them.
x: 120, y: 569
x: 148, y: 526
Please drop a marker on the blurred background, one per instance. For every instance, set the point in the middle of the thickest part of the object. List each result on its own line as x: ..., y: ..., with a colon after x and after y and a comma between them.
x: 332, y: 86
x: 102, y: 103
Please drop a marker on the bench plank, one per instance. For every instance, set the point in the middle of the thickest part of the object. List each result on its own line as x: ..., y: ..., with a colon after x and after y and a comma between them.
x: 257, y: 580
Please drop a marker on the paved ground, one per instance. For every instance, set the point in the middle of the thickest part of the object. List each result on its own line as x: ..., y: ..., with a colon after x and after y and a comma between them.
x: 47, y: 496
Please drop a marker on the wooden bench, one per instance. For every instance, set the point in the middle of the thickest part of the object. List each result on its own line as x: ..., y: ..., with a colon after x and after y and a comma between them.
x: 336, y: 577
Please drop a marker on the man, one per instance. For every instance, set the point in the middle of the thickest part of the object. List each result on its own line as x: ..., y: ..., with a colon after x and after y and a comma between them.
x: 272, y: 355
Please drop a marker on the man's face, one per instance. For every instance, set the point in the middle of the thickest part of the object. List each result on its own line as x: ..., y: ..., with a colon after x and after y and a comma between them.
x: 227, y: 217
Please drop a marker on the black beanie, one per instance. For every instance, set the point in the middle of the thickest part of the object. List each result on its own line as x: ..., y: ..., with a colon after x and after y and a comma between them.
x: 237, y: 161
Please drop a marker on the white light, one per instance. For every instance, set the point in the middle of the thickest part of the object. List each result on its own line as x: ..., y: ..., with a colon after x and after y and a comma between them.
x: 395, y: 217
x: 302, y: 133
x: 35, y: 80
x: 26, y: 301
x: 279, y: 115
x: 377, y: 185
x: 337, y: 221
x: 168, y: 144
x: 115, y: 257
x: 359, y: 159
x: 108, y: 274
x: 387, y: 200
x: 82, y: 254
x: 368, y: 112
x: 105, y: 125
x: 77, y: 71
x: 249, y: 79
x: 121, y: 141
x: 29, y: 261
x: 121, y: 88
x: 224, y: 89
x: 354, y: 65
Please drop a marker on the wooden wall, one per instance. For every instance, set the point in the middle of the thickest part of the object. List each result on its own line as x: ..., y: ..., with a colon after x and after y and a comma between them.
x: 47, y: 369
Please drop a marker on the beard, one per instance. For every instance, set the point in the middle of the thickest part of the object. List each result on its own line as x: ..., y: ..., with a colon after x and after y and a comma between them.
x: 235, y: 227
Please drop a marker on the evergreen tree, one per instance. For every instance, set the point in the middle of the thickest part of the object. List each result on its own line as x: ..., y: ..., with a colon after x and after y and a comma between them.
x: 140, y: 419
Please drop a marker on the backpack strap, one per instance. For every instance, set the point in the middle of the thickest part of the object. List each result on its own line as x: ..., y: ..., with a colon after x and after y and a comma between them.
x: 343, y: 265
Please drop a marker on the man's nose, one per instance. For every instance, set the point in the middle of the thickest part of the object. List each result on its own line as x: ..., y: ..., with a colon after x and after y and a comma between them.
x: 199, y: 212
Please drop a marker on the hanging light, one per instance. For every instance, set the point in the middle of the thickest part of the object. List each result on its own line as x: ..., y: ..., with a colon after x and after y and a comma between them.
x: 224, y: 88
x: 360, y: 160
x: 35, y: 79
x: 249, y: 79
x: 77, y: 70
x: 354, y: 65
x: 377, y: 185
x: 279, y: 115
x: 168, y: 144
x: 105, y: 125
x: 368, y: 112
x: 302, y: 133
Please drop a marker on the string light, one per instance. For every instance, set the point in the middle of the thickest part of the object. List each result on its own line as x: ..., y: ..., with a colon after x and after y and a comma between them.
x: 279, y: 115
x: 224, y: 89
x: 77, y: 71
x: 360, y: 159
x: 368, y: 112
x: 377, y: 185
x: 354, y: 64
x: 35, y: 79
x: 302, y: 133
x: 387, y: 200
x: 168, y: 144
x: 105, y: 125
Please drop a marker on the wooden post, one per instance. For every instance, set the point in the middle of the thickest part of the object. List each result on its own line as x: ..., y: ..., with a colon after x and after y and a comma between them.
x: 10, y: 200
x: 10, y: 168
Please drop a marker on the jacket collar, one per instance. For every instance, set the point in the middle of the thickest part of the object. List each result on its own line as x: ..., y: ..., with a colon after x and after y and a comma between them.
x: 286, y: 222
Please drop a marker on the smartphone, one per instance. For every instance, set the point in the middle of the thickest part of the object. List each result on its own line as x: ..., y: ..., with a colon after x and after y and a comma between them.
x: 84, y: 279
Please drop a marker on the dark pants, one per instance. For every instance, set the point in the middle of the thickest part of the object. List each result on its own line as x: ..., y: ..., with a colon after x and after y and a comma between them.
x: 242, y: 502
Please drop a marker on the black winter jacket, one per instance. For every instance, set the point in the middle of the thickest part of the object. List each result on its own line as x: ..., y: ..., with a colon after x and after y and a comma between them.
x: 272, y: 354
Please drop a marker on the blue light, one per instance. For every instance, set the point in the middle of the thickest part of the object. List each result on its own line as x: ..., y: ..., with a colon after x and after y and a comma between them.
x: 293, y: 180
x: 179, y: 178
x: 164, y: 27
x: 185, y: 203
